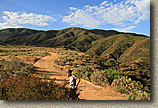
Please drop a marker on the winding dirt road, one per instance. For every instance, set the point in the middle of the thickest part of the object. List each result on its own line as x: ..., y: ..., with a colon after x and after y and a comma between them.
x: 90, y: 91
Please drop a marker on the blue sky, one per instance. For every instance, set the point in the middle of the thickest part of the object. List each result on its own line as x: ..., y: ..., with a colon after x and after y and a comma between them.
x: 120, y: 15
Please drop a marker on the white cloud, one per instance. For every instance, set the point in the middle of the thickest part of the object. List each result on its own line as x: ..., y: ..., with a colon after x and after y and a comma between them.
x: 72, y: 8
x: 124, y: 14
x: 81, y: 17
x: 127, y: 29
x: 13, y: 19
x: 103, y: 3
x: 143, y: 7
x: 7, y: 25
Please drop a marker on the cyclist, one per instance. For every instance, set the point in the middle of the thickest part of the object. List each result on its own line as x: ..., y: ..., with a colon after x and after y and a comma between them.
x: 73, y: 85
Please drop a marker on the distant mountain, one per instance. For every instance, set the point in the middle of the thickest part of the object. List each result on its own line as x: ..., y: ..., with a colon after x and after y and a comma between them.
x: 123, y: 46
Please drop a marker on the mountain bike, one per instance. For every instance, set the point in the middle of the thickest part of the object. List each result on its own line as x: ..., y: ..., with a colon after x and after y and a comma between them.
x: 77, y: 98
x: 69, y: 97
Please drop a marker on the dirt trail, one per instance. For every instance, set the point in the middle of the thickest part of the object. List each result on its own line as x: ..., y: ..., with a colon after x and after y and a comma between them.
x: 90, y: 91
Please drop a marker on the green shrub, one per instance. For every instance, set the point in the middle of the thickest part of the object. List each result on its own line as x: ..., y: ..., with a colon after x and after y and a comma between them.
x: 14, y: 67
x: 131, y: 96
x: 113, y: 74
x: 126, y: 85
x: 56, y: 61
x: 99, y: 78
x: 83, y: 72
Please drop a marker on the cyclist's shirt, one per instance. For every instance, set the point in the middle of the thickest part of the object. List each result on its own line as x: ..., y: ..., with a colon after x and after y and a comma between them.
x: 72, y: 80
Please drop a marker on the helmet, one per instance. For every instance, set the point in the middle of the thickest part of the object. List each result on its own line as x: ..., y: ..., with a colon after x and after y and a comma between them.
x: 69, y: 71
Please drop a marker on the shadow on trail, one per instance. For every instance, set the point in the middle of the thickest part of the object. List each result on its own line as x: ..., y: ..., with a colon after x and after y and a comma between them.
x: 50, y: 74
x: 44, y: 71
x: 36, y: 60
x: 55, y: 79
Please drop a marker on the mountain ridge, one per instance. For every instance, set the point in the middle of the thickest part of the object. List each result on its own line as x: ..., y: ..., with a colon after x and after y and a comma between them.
x: 20, y: 29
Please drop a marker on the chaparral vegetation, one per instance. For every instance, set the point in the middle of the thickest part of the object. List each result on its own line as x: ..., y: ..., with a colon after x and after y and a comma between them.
x: 119, y: 59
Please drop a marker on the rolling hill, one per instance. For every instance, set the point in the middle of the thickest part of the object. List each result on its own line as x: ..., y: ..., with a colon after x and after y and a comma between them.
x: 98, y: 42
x: 126, y: 52
x: 122, y: 46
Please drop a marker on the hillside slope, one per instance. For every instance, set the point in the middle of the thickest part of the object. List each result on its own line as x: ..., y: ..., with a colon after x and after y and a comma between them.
x: 122, y: 46
x: 66, y: 37
x: 127, y: 52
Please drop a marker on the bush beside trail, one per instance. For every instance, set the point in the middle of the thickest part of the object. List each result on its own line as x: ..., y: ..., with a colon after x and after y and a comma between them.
x: 132, y: 88
x: 31, y: 88
x: 19, y: 83
x: 106, y: 70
